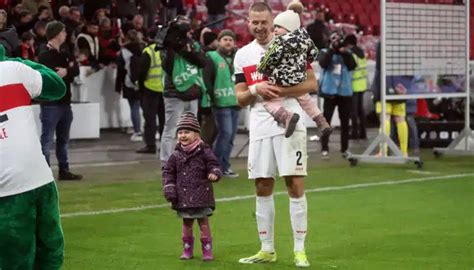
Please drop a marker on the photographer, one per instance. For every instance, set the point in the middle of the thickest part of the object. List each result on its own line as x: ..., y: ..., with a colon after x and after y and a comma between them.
x: 182, y: 61
x: 336, y: 88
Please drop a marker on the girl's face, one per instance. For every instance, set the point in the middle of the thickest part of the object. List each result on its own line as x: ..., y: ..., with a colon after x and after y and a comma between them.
x: 186, y: 137
x: 280, y: 31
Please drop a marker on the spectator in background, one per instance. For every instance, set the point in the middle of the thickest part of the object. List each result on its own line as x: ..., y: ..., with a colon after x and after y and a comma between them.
x: 14, y: 14
x: 27, y: 46
x: 216, y: 12
x: 63, y: 13
x: 87, y: 43
x: 359, y: 87
x: 3, y: 20
x: 73, y: 20
x: 336, y: 88
x: 26, y: 22
x: 99, y: 15
x: 318, y: 30
x: 56, y: 116
x: 220, y: 82
x: 151, y: 86
x: 73, y: 28
x: 43, y: 14
x: 127, y: 79
x: 39, y: 33
x: 33, y: 5
x: 136, y: 24
x: 108, y: 41
x: 8, y: 35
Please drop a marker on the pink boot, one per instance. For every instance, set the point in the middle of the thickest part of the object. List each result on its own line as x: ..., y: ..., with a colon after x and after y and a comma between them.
x: 207, y: 249
x: 188, y: 245
x: 323, y: 126
x: 288, y: 119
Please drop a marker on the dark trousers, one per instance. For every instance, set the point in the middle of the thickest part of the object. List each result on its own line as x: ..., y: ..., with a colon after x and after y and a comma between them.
x: 153, y: 105
x: 208, y: 127
x: 344, y: 106
x: 56, y: 119
x: 358, y: 116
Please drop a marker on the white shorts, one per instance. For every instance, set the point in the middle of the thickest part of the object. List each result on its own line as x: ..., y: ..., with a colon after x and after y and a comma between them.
x: 287, y: 155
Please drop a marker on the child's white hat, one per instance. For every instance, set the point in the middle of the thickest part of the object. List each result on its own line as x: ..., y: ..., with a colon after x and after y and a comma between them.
x: 288, y: 19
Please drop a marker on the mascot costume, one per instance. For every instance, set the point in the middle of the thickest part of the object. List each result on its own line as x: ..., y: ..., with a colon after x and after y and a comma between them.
x: 31, y: 236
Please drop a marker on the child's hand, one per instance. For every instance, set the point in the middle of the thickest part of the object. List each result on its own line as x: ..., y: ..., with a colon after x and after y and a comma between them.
x: 212, y: 177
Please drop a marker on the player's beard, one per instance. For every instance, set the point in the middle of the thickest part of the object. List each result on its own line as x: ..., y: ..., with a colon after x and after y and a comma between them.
x: 261, y: 34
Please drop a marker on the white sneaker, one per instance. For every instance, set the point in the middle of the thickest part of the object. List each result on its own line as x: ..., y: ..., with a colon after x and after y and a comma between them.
x: 136, y: 137
x: 325, y: 154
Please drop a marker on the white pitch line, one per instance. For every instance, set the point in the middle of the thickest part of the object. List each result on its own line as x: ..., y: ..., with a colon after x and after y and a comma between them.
x: 239, y: 198
x: 102, y: 164
x: 422, y: 172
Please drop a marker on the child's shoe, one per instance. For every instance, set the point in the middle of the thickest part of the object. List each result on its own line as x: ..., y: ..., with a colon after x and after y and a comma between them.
x: 291, y: 122
x: 188, y: 245
x: 323, y: 125
x: 207, y: 249
x: 287, y: 119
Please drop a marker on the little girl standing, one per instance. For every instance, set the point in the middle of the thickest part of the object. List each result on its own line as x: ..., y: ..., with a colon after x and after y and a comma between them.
x: 187, y: 178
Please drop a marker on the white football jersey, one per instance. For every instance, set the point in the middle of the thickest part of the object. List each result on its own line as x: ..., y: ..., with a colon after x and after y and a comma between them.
x: 262, y: 123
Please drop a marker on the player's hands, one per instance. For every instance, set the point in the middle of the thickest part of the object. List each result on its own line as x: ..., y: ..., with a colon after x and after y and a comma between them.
x: 62, y: 72
x: 212, y: 177
x: 268, y: 91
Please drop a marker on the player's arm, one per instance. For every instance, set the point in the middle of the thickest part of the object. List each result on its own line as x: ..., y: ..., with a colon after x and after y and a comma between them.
x: 248, y: 95
x: 244, y: 97
x: 309, y: 85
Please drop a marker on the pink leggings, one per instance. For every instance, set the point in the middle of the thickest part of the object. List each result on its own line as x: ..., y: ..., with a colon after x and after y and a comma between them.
x: 203, y: 226
x: 305, y: 101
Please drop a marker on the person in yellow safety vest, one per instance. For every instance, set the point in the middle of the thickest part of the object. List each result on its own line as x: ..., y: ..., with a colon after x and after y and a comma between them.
x: 150, y: 82
x: 359, y: 86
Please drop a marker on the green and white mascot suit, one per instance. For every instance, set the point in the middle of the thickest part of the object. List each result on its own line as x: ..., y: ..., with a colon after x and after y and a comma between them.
x: 31, y: 236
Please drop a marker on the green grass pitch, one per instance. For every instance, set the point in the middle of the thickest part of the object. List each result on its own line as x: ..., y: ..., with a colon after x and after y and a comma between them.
x: 426, y: 222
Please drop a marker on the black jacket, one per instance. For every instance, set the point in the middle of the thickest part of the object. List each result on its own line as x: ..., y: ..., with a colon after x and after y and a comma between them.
x: 325, y: 59
x: 216, y: 6
x: 53, y: 59
x: 319, y: 33
x: 136, y: 50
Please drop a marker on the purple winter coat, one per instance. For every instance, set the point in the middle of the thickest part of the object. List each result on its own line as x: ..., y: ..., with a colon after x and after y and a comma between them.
x: 185, y: 178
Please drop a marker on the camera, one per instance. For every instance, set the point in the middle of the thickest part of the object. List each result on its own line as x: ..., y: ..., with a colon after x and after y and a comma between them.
x: 173, y: 34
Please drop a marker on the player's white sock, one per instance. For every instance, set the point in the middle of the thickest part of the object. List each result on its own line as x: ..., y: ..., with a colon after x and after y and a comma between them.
x: 299, y: 221
x: 265, y: 221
